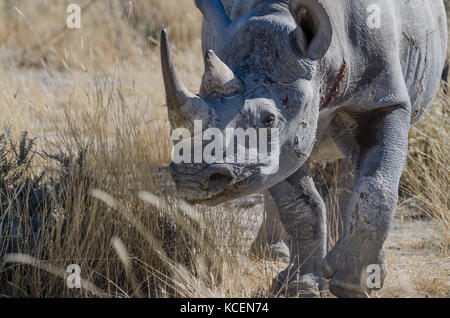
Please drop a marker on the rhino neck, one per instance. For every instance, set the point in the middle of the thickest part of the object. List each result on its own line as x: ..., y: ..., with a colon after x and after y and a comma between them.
x: 334, y: 84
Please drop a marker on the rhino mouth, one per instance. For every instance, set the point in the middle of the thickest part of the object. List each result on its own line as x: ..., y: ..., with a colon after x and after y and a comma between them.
x: 212, y: 184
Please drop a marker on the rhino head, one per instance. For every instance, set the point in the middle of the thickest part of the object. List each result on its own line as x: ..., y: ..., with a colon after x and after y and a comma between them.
x: 261, y: 76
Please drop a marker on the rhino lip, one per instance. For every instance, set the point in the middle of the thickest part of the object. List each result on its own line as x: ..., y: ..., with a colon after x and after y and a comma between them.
x: 205, y: 184
x: 207, y: 181
x: 212, y: 198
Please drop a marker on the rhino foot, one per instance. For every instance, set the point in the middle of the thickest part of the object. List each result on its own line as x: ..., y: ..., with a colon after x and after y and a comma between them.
x: 305, y: 286
x: 355, y: 266
x: 277, y: 252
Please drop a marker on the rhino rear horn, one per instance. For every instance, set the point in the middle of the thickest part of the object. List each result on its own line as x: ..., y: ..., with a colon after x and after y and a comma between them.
x: 183, y: 106
x: 218, y: 77
x: 314, y: 32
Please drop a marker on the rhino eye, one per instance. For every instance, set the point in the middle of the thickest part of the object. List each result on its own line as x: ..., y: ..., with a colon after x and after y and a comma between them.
x: 269, y: 121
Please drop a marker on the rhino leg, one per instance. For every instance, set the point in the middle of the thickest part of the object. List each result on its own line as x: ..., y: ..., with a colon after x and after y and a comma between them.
x: 377, y: 144
x: 270, y: 243
x: 303, y: 214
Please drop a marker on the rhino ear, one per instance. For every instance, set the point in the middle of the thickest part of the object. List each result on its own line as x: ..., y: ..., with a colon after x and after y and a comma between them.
x: 314, y: 31
x: 214, y: 13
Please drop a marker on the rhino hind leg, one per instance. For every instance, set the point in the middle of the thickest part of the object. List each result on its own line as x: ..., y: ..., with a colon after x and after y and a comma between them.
x: 303, y: 214
x: 271, y: 241
x: 376, y: 143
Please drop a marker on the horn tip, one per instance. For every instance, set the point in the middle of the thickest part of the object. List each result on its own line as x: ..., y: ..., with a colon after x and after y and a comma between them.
x: 209, y: 54
x: 164, y: 41
x: 211, y: 58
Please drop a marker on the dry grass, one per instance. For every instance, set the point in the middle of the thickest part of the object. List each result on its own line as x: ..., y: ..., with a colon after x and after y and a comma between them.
x: 99, y: 89
x: 110, y: 32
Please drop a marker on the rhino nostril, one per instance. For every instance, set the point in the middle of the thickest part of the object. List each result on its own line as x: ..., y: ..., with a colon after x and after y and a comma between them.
x: 219, y: 180
x: 210, y: 179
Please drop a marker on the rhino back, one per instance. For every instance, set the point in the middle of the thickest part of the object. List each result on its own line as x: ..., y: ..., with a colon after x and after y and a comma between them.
x: 238, y: 8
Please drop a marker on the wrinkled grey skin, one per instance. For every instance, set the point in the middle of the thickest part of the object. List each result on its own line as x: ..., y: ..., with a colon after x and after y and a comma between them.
x: 335, y: 88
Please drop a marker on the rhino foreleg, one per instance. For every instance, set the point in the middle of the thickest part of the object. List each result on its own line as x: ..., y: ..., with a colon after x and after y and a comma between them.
x: 303, y: 214
x: 271, y: 241
x: 377, y: 144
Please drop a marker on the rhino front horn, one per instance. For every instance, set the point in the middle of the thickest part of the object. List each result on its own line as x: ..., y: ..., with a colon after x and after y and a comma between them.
x: 218, y: 77
x: 183, y: 106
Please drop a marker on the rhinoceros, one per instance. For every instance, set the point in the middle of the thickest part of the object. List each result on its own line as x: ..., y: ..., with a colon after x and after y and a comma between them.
x: 338, y: 79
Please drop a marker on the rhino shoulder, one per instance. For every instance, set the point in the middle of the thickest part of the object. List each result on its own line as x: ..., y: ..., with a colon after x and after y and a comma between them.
x: 398, y: 61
